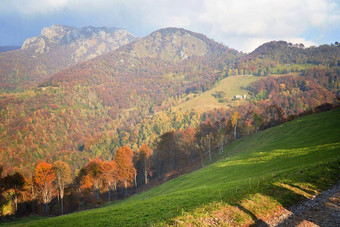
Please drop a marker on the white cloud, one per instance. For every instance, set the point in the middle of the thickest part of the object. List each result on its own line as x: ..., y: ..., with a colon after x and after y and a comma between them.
x: 249, y: 44
x: 29, y: 7
x: 256, y: 21
x: 241, y: 24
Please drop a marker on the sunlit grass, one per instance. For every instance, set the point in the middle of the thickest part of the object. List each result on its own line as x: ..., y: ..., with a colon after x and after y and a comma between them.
x: 231, y: 86
x: 254, y: 177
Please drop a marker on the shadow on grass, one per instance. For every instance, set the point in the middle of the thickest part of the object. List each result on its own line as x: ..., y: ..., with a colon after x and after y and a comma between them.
x: 257, y: 221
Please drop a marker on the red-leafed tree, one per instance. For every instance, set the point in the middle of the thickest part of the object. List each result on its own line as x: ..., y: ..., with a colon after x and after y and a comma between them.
x: 44, y: 177
x: 125, y: 168
x: 63, y: 174
x: 187, y: 140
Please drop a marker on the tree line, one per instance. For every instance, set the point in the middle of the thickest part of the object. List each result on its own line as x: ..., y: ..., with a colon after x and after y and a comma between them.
x: 175, y: 152
x: 51, y: 182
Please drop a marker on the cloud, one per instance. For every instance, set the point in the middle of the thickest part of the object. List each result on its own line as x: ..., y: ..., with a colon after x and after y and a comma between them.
x: 29, y: 7
x: 255, y: 21
x: 241, y: 24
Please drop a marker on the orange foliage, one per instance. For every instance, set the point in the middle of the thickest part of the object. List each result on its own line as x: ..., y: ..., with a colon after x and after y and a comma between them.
x: 93, y: 178
x: 110, y: 174
x: 44, y: 174
x: 44, y: 177
x: 145, y: 152
x: 125, y: 168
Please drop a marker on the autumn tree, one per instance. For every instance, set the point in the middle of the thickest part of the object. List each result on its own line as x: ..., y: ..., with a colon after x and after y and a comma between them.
x: 2, y: 199
x: 257, y: 121
x: 110, y: 176
x: 44, y: 177
x: 14, y: 184
x: 168, y: 154
x: 145, y: 153
x: 187, y: 140
x: 93, y: 176
x: 206, y: 133
x: 221, y: 134
x: 274, y: 115
x: 33, y: 191
x: 125, y: 168
x: 235, y: 117
x: 63, y: 176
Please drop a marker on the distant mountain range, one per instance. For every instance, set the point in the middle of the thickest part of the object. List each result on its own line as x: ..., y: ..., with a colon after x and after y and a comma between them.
x: 57, y: 47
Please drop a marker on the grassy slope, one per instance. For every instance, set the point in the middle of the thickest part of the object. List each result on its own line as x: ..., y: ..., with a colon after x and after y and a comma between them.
x: 256, y: 175
x: 230, y: 85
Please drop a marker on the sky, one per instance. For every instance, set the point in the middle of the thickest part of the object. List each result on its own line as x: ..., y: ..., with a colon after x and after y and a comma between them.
x: 239, y: 24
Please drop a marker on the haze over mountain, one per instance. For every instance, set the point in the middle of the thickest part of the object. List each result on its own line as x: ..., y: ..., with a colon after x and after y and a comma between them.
x: 57, y: 47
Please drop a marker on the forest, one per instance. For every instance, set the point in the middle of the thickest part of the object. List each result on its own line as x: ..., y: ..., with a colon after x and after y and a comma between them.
x: 107, y: 128
x: 51, y: 189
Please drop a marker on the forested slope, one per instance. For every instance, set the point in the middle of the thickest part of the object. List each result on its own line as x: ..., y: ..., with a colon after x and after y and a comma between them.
x: 255, y: 177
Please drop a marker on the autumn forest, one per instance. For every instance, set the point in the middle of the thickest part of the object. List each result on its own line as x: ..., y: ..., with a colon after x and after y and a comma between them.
x: 78, y: 133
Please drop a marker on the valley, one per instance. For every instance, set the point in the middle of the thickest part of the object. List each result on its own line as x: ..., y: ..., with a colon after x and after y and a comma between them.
x: 249, y: 182
x: 172, y: 128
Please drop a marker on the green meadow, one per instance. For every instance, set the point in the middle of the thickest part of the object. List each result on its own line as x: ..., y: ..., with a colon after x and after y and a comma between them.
x: 231, y: 86
x: 256, y: 176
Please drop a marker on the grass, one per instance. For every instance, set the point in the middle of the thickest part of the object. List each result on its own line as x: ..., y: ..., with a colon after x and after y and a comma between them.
x: 255, y: 177
x: 231, y: 86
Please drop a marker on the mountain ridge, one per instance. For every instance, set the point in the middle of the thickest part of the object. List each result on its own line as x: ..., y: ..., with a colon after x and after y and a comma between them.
x: 56, y: 48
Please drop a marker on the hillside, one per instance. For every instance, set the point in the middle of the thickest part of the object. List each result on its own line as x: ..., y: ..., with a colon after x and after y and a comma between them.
x: 170, y: 55
x: 96, y: 106
x: 254, y: 178
x: 221, y: 95
x: 56, y: 48
x: 283, y: 57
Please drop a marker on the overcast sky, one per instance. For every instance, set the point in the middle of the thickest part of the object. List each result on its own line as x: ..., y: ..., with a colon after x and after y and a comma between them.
x: 240, y: 24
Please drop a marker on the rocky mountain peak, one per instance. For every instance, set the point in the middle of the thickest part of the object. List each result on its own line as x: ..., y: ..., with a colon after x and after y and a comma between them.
x: 55, y: 32
x: 87, y: 42
x: 172, y: 44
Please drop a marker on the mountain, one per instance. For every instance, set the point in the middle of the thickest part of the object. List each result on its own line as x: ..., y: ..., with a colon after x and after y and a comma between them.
x: 128, y: 97
x: 91, y: 109
x: 167, y: 62
x: 281, y: 56
x: 174, y: 44
x: 8, y: 48
x: 56, y: 48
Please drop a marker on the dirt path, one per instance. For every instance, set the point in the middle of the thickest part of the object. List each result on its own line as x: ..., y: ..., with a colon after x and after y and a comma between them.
x: 322, y: 210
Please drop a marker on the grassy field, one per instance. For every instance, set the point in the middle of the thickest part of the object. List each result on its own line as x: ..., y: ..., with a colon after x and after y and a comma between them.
x: 255, y: 177
x: 231, y: 86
